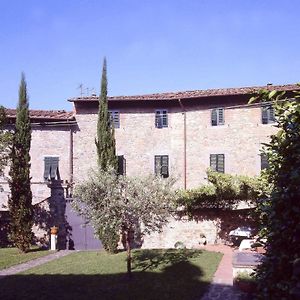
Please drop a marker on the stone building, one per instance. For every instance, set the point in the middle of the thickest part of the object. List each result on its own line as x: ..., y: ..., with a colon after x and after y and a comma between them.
x: 179, y: 134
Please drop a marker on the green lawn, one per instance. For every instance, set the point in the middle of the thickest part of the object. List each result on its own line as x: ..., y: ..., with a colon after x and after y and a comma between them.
x: 12, y: 256
x: 157, y: 274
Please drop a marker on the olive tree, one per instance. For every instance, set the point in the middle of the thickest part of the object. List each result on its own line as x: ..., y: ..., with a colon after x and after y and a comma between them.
x: 126, y: 204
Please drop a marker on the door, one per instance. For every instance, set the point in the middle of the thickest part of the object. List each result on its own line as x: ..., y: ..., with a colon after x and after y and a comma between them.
x: 80, y: 234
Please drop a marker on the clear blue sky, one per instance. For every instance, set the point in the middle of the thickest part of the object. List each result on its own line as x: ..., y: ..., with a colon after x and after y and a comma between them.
x: 151, y: 46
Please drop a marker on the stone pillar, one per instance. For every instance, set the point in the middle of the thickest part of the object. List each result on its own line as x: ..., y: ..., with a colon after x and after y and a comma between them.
x: 57, y: 206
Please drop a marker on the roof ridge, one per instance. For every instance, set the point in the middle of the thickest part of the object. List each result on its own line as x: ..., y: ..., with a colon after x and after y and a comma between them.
x: 43, y: 114
x: 193, y: 93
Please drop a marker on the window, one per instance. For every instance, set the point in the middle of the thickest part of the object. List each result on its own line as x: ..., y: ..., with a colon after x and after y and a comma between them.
x: 161, y: 118
x: 51, y: 170
x: 114, y: 116
x: 267, y: 115
x: 121, y: 165
x: 264, y: 163
x: 217, y: 162
x: 217, y: 116
x: 161, y: 165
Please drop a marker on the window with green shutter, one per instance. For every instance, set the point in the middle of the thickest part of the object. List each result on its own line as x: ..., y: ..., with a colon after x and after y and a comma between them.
x: 114, y: 116
x: 161, y: 165
x: 217, y: 162
x: 217, y: 116
x: 267, y: 114
x: 51, y: 168
x: 161, y: 118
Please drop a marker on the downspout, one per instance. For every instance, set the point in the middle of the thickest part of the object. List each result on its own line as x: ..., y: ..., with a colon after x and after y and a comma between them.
x: 184, y: 143
x: 71, y: 160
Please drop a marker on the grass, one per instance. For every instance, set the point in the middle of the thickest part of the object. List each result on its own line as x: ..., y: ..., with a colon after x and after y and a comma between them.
x: 12, y: 256
x: 157, y: 274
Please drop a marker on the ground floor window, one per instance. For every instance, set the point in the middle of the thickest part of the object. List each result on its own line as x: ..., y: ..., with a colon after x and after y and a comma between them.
x: 217, y: 162
x: 161, y: 165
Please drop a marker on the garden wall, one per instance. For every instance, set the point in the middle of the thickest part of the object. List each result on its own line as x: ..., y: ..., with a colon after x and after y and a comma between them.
x: 215, y: 225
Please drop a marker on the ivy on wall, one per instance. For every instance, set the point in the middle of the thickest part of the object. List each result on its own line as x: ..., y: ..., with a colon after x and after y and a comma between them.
x: 223, y: 191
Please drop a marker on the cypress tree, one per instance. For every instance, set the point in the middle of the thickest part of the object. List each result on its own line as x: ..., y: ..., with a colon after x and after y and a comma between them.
x: 105, y: 141
x: 107, y: 159
x: 20, y: 201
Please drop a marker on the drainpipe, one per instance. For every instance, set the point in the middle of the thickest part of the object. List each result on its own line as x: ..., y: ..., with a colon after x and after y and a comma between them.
x: 71, y: 159
x: 184, y: 143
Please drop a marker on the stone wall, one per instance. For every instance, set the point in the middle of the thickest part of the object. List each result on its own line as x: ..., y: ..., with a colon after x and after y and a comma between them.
x: 240, y: 139
x: 45, y: 141
x: 214, y: 225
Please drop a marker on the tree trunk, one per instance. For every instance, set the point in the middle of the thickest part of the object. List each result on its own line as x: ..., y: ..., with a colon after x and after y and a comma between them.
x: 128, y: 248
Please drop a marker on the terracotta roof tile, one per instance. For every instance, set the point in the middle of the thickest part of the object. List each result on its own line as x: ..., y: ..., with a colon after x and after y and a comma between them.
x: 60, y: 115
x: 194, y: 94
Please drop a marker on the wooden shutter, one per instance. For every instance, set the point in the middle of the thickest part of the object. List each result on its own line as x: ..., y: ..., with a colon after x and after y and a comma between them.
x: 271, y: 114
x: 220, y: 163
x: 47, y: 167
x: 165, y: 166
x: 164, y: 118
x: 158, y: 119
x: 264, y: 115
x: 214, y: 117
x: 213, y: 162
x: 116, y: 119
x: 220, y: 116
x: 54, y: 168
x: 157, y: 164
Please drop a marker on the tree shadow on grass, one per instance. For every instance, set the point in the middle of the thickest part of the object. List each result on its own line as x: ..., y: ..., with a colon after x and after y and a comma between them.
x: 177, y: 281
x: 153, y: 258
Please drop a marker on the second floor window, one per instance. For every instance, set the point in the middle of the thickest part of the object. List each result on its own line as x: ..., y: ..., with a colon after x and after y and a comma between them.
x: 51, y: 171
x: 217, y: 116
x: 161, y: 165
x: 267, y: 115
x: 161, y: 118
x: 114, y: 117
x: 217, y: 162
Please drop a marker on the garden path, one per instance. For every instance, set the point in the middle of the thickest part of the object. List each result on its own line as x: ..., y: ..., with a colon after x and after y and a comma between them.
x: 33, y: 263
x: 222, y: 287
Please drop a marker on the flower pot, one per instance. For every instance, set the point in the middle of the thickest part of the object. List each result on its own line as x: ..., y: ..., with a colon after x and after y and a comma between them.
x: 54, y: 230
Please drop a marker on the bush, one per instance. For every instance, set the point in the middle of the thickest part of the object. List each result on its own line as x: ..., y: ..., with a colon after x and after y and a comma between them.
x: 280, y: 210
x: 223, y: 191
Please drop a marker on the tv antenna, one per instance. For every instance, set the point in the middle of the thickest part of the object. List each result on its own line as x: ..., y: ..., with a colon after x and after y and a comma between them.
x: 80, y: 87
